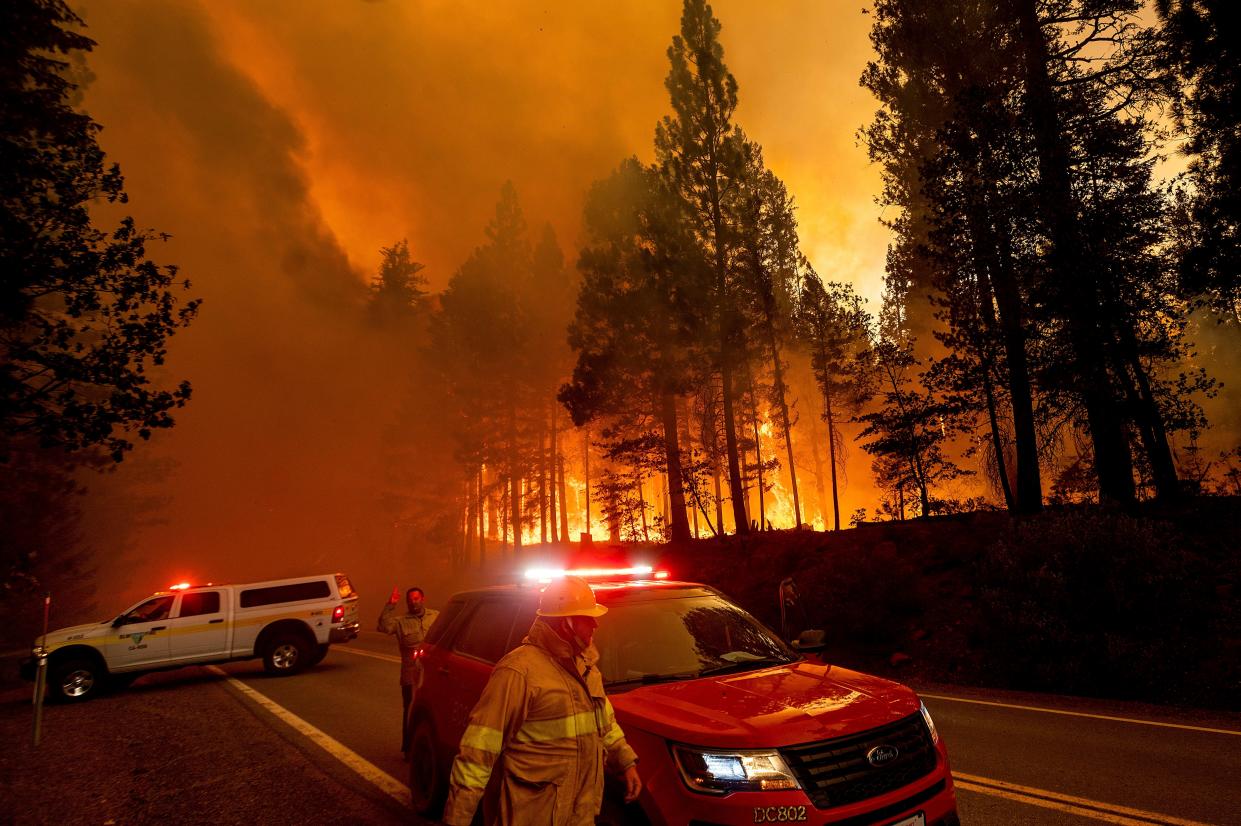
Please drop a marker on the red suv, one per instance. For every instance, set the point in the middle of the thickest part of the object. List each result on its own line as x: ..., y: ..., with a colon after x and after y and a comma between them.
x: 731, y: 724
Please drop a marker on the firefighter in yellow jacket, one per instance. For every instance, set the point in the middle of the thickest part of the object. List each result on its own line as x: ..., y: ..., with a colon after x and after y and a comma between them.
x: 544, y: 722
x: 410, y: 630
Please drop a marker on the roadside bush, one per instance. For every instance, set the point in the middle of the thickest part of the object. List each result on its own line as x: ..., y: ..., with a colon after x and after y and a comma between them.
x: 866, y: 600
x: 1103, y: 603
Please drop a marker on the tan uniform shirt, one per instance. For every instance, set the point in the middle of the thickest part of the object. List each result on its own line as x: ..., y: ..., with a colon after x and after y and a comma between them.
x: 409, y: 630
x: 544, y: 723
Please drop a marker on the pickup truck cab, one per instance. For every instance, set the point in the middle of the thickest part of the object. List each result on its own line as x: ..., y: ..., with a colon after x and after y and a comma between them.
x: 290, y: 623
x: 731, y: 725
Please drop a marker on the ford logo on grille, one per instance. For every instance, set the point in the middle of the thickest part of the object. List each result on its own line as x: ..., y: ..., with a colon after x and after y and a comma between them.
x: 882, y: 755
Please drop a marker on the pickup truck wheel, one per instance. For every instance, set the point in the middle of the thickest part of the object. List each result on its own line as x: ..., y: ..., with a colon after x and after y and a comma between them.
x: 428, y: 789
x: 286, y: 654
x: 75, y: 681
x: 318, y: 654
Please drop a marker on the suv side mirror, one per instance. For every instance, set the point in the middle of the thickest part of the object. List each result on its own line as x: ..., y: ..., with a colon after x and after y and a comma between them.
x: 812, y: 639
x: 119, y: 621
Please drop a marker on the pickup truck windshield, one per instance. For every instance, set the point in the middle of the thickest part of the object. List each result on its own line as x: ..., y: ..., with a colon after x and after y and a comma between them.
x: 670, y: 639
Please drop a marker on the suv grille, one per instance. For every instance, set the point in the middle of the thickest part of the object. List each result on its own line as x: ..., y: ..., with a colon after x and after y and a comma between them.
x: 836, y: 772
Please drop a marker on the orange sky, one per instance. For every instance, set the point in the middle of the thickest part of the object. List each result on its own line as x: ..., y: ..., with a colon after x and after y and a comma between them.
x: 410, y: 115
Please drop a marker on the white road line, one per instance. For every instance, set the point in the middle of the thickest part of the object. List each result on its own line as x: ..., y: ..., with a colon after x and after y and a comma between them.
x: 369, y: 771
x: 1082, y: 714
x: 1083, y: 807
x: 390, y: 658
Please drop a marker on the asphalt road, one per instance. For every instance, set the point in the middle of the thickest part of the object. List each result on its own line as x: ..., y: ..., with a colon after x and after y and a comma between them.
x: 1017, y: 760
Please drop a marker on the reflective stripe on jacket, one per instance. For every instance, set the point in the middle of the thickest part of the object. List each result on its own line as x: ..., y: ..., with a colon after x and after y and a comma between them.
x: 410, y: 630
x: 544, y: 723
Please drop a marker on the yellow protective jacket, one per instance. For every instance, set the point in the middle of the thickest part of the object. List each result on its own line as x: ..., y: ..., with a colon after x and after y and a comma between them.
x: 410, y: 630
x: 545, y: 726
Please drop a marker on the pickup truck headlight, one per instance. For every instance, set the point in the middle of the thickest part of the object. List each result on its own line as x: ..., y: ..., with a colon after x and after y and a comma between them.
x: 720, y: 772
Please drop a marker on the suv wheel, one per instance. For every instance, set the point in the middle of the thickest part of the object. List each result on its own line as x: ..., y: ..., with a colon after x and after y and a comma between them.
x: 75, y: 681
x: 286, y: 654
x: 427, y: 787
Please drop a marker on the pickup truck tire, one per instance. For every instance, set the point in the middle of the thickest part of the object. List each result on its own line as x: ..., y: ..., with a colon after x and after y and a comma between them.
x: 428, y: 787
x: 286, y: 653
x: 75, y: 680
x: 318, y: 654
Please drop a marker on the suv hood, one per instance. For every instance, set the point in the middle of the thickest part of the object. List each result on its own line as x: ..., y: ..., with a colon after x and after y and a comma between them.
x: 783, y: 706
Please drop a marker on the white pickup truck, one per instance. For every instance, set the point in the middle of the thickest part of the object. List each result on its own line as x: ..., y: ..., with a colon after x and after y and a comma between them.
x: 288, y: 622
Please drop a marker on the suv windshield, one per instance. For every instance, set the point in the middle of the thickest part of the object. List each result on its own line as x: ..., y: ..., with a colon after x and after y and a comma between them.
x: 682, y: 638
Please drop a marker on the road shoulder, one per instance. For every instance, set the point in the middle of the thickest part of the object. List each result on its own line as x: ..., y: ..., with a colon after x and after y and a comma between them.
x: 179, y: 747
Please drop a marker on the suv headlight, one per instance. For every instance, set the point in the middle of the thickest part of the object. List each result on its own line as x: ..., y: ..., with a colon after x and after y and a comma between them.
x: 930, y: 724
x: 720, y: 772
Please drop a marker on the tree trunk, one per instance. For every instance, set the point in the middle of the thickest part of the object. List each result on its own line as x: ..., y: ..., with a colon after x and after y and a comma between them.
x: 482, y: 534
x: 689, y: 447
x: 493, y: 519
x: 463, y: 548
x: 1150, y: 426
x: 819, y: 490
x: 741, y: 525
x: 1069, y: 265
x: 564, y: 501
x: 1029, y: 493
x: 514, y: 480
x: 762, y: 485
x: 830, y: 418
x: 551, y: 466
x: 679, y: 525
x: 586, y: 470
x: 542, y: 471
x: 785, y: 423
x: 646, y: 534
x: 719, y: 493
x: 997, y: 444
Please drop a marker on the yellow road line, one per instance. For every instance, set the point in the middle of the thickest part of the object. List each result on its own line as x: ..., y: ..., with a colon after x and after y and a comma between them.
x: 367, y: 770
x: 390, y: 658
x: 1083, y: 807
x: 1082, y: 714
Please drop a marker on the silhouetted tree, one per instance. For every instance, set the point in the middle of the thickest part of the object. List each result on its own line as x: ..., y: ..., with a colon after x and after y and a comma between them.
x: 703, y: 156
x: 767, y: 263
x: 1202, y: 50
x: 835, y: 329
x: 638, y: 317
x: 398, y: 291
x: 84, y: 314
x: 908, y: 431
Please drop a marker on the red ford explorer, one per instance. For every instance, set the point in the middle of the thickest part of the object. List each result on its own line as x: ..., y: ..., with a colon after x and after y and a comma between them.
x: 731, y: 725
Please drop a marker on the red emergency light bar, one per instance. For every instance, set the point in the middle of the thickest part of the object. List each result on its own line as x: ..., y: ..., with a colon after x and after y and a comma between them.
x: 180, y: 586
x: 635, y: 571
